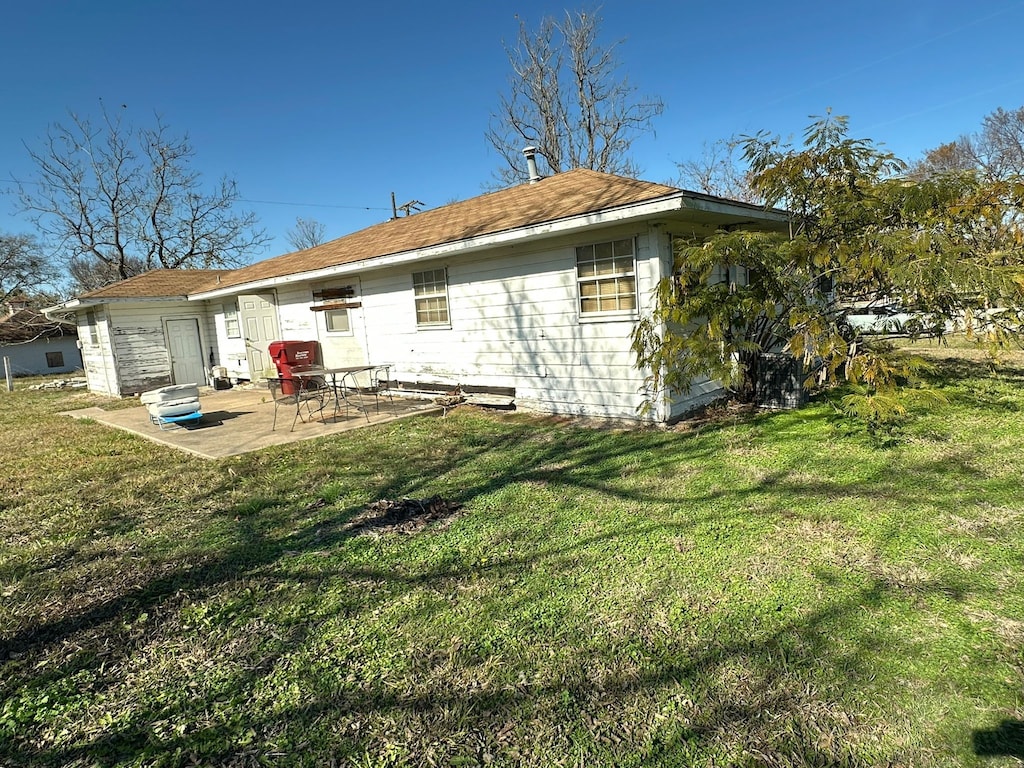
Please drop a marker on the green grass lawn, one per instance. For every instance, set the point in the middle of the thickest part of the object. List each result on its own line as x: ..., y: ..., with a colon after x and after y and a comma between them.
x: 768, y: 591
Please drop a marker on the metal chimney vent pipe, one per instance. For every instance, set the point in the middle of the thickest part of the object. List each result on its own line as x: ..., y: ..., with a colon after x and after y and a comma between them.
x: 531, y: 163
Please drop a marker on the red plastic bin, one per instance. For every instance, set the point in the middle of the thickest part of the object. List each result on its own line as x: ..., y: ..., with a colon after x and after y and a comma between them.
x: 289, y: 354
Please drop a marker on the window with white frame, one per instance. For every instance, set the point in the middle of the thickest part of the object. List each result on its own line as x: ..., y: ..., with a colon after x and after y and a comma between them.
x: 232, y: 327
x: 430, y: 289
x: 337, y: 321
x: 606, y: 273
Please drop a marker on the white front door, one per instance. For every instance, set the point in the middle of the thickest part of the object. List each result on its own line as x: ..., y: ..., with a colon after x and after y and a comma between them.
x: 259, y: 319
x: 186, y: 352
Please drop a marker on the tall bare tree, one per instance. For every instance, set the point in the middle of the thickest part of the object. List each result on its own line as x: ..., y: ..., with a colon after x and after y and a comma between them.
x: 117, y: 200
x: 997, y: 150
x: 718, y: 171
x: 306, y: 233
x: 566, y: 98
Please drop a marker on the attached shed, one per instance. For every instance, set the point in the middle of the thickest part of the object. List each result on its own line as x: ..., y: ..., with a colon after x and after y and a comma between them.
x: 143, y: 332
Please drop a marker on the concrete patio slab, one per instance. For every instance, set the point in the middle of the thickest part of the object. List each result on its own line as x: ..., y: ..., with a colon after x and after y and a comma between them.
x: 237, y: 421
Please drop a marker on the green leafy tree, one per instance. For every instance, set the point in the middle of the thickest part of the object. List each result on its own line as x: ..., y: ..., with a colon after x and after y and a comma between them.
x: 858, y: 229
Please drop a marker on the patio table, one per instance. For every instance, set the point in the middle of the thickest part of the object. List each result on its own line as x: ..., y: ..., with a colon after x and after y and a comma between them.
x: 342, y: 380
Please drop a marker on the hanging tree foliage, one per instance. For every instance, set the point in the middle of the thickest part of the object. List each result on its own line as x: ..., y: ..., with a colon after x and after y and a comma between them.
x: 858, y: 230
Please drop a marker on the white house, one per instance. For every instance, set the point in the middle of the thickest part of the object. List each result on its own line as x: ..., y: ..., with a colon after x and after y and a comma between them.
x: 532, y: 291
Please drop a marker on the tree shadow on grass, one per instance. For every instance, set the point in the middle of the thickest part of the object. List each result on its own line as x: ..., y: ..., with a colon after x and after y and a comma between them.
x: 773, y: 712
x: 265, y: 531
x: 1005, y: 740
x: 580, y: 460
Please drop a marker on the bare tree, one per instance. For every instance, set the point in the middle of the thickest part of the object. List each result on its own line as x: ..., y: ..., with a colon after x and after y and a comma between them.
x: 117, y: 200
x: 997, y: 150
x: 23, y: 267
x: 718, y: 172
x: 566, y: 99
x: 307, y: 233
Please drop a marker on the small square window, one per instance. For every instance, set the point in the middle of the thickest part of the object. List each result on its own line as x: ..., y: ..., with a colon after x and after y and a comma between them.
x: 54, y: 359
x: 337, y: 321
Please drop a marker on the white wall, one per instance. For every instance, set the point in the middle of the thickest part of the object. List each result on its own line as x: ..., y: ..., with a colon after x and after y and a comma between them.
x: 230, y: 351
x: 298, y: 322
x: 97, y: 353
x: 515, y: 323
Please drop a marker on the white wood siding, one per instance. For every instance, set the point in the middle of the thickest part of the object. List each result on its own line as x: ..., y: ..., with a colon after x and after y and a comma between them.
x: 340, y: 348
x: 139, y: 344
x: 97, y: 353
x: 515, y: 322
x: 295, y: 320
x: 230, y: 352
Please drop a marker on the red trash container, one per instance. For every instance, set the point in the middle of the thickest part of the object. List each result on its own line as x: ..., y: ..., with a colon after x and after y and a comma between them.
x: 289, y: 354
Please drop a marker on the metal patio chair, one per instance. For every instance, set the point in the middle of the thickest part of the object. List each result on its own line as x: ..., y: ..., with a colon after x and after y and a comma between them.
x: 294, y: 393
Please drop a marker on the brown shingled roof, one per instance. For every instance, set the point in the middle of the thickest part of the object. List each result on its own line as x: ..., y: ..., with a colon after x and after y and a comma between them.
x: 564, y: 195
x: 561, y: 196
x: 160, y: 284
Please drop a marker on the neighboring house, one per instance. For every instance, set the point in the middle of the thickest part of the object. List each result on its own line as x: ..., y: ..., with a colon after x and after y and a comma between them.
x: 36, y: 345
x: 532, y: 290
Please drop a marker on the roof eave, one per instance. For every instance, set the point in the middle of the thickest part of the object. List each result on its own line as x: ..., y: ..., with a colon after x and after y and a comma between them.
x: 65, y: 306
x: 74, y: 305
x: 723, y: 205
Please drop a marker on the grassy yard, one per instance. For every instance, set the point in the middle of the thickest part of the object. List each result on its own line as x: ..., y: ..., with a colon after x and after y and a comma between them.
x: 769, y: 591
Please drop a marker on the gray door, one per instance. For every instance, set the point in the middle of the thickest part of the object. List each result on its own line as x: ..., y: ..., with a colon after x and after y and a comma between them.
x: 186, y: 352
x: 259, y: 319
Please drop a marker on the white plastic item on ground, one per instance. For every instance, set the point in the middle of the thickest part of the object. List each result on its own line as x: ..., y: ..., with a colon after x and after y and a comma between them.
x: 174, y: 407
x: 169, y: 394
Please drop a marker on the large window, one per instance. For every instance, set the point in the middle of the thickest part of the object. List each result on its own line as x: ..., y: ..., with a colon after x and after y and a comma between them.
x: 607, y: 277
x: 431, y: 291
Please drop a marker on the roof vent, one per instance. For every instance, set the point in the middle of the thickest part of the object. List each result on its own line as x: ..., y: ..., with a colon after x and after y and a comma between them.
x: 531, y: 163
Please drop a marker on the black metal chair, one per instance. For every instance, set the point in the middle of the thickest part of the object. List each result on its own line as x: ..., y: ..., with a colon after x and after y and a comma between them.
x: 380, y: 386
x: 295, y: 393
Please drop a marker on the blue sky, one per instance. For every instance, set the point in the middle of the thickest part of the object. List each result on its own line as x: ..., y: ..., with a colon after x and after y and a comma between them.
x: 322, y: 109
